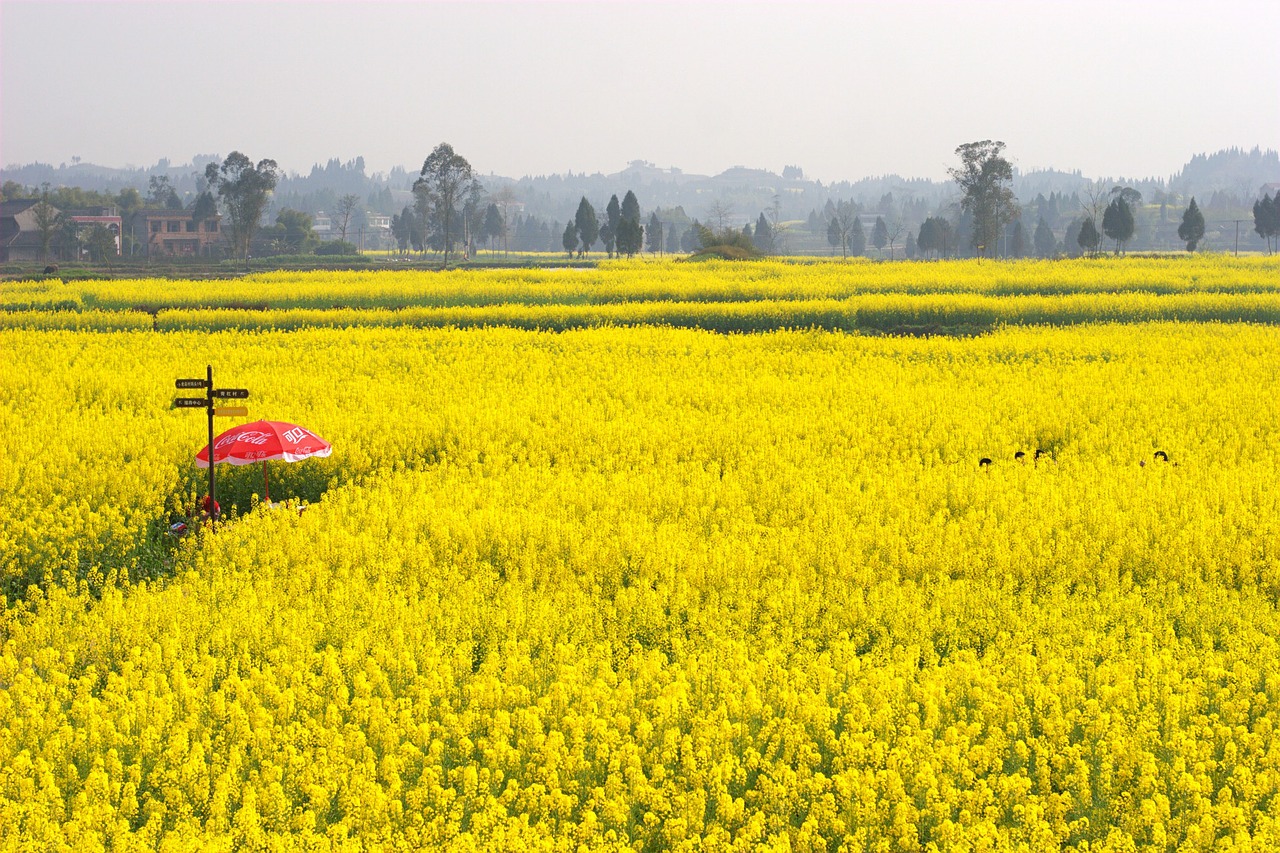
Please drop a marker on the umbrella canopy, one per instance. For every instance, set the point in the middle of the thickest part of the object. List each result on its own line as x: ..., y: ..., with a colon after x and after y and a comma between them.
x: 264, y: 441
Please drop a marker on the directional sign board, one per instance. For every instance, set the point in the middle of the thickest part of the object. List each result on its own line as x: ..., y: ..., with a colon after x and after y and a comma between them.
x: 230, y: 411
x: 191, y: 383
x: 231, y: 393
x: 190, y: 403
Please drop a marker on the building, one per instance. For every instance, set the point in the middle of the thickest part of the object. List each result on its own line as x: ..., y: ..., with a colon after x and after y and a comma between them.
x: 174, y: 233
x: 322, y: 225
x: 87, y: 218
x: 19, y: 232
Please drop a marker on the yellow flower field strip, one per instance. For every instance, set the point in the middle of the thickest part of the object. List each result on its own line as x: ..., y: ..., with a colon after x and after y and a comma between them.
x: 621, y: 282
x: 882, y: 312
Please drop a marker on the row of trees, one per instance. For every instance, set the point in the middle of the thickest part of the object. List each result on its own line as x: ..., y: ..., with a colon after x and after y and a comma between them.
x: 621, y: 233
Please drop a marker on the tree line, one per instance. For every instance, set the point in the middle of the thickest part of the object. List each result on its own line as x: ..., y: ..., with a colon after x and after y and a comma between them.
x: 452, y: 214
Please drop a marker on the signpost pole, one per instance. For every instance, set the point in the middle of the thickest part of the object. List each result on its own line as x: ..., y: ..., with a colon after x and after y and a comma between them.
x: 213, y: 500
x: 209, y: 403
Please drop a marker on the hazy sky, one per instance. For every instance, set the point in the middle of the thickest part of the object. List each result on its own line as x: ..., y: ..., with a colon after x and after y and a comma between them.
x: 843, y: 90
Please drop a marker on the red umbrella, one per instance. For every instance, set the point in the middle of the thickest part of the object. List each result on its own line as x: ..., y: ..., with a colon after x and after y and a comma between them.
x: 264, y: 441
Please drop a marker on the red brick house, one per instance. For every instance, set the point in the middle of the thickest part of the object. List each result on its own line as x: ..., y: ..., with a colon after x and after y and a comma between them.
x: 160, y: 232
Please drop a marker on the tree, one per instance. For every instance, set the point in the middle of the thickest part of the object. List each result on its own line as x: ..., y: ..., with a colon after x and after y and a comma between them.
x: 1117, y: 222
x: 295, y: 234
x: 1266, y: 218
x: 721, y: 212
x: 1043, y: 240
x: 689, y: 240
x: 1095, y: 194
x: 1088, y: 239
x: 587, y: 225
x: 629, y: 237
x: 1071, y: 246
x: 909, y: 247
x: 205, y: 207
x: 346, y: 206
x: 893, y: 232
x: 842, y: 227
x: 763, y: 236
x: 46, y: 221
x: 102, y: 244
x: 926, y: 239
x: 570, y: 238
x: 244, y: 190
x: 160, y: 193
x: 983, y: 177
x: 505, y: 199
x: 880, y: 234
x: 402, y: 228
x: 445, y: 182
x: 1018, y: 241
x: 653, y: 234
x: 857, y: 237
x: 70, y: 237
x: 609, y: 230
x: 673, y: 239
x: 493, y: 227
x: 631, y: 207
x: 1191, y: 231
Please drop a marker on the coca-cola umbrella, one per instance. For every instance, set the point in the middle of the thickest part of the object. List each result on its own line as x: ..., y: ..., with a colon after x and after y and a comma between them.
x: 264, y: 441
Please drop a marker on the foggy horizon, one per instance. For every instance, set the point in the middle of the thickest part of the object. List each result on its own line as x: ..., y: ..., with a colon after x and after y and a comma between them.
x: 525, y: 89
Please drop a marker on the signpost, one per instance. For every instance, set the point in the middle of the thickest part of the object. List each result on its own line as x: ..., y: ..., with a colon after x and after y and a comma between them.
x: 207, y: 403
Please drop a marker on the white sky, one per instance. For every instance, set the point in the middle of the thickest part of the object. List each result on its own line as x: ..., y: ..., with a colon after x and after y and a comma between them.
x: 843, y: 90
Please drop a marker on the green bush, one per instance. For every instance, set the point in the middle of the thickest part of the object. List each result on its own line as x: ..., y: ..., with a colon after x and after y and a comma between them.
x: 337, y: 247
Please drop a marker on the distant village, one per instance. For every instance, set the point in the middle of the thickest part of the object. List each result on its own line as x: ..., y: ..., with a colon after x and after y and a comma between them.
x: 153, y: 233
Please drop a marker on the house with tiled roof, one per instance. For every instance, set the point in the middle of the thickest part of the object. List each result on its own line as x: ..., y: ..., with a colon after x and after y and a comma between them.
x: 19, y: 233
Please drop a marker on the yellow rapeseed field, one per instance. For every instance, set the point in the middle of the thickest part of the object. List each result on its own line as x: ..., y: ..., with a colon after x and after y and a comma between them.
x: 638, y: 587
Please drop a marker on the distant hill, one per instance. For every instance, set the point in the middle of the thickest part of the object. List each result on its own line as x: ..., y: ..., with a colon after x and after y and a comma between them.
x: 1233, y: 170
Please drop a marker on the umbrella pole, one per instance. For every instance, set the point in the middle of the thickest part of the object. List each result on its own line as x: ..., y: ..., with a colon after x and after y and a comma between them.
x: 266, y: 485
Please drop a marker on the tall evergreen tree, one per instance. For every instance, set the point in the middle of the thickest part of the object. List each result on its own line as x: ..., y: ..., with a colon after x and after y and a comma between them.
x: 630, y: 207
x: 763, y: 236
x: 880, y: 234
x: 1043, y: 240
x: 588, y: 227
x: 629, y: 233
x: 857, y: 238
x: 1266, y: 219
x: 609, y: 228
x: 493, y: 227
x: 1117, y: 221
x: 1018, y: 241
x: 1191, y: 231
x: 570, y: 238
x: 1071, y: 240
x: 653, y: 234
x: 1088, y: 238
x: 926, y: 241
